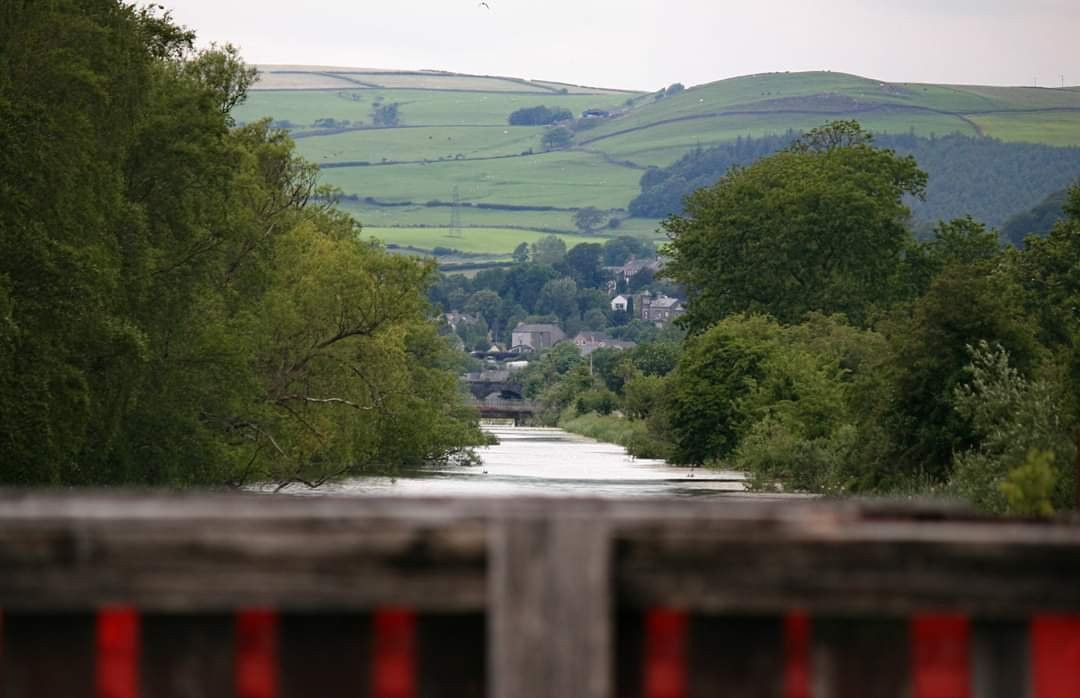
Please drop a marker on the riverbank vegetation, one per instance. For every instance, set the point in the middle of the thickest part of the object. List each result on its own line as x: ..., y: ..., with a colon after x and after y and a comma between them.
x: 828, y: 350
x: 179, y: 302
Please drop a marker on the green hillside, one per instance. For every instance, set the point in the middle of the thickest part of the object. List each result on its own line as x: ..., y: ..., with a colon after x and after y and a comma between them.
x: 451, y: 132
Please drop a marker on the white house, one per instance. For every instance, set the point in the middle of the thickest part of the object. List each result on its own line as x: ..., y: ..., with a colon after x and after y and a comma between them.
x: 620, y: 303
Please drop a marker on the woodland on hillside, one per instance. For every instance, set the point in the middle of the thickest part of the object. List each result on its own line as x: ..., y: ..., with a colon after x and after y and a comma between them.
x: 985, y: 178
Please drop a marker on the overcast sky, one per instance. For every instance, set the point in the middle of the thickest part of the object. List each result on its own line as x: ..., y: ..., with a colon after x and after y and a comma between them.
x: 645, y: 44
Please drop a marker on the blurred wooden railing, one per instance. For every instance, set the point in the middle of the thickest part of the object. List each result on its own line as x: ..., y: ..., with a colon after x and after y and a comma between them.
x: 125, y: 595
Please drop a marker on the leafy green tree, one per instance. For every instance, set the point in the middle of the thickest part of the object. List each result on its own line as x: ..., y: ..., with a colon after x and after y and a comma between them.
x: 539, y: 116
x: 485, y: 303
x: 549, y: 250
x: 524, y: 282
x: 585, y: 262
x: 820, y: 226
x: 179, y: 304
x: 589, y: 218
x: 1012, y: 418
x: 702, y: 394
x: 928, y: 355
x: 386, y: 114
x: 559, y: 297
x: 557, y: 138
x: 521, y: 253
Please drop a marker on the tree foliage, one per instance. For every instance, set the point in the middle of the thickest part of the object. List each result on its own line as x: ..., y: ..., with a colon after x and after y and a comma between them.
x: 820, y: 226
x: 539, y: 115
x: 178, y: 305
x: 588, y: 218
x: 983, y: 177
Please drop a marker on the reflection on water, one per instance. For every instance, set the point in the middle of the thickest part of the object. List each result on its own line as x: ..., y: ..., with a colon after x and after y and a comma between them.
x: 532, y: 461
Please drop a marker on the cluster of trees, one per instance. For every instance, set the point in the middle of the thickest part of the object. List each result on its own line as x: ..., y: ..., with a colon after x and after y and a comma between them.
x: 557, y: 138
x: 539, y: 116
x: 830, y: 350
x: 176, y: 305
x: 669, y: 91
x: 981, y: 177
x: 385, y: 114
x: 548, y: 283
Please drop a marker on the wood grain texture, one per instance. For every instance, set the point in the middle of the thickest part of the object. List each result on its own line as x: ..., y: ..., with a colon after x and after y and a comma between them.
x: 550, y: 615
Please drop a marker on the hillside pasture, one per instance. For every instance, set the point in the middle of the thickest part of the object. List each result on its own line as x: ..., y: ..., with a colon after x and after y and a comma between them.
x: 494, y: 241
x: 295, y: 80
x: 417, y: 107
x: 472, y: 217
x: 800, y: 92
x: 420, y: 143
x: 1061, y: 128
x: 565, y: 179
x: 442, y: 81
x: 663, y: 144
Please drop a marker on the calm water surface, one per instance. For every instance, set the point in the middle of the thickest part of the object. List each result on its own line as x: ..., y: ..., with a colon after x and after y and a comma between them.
x: 531, y: 461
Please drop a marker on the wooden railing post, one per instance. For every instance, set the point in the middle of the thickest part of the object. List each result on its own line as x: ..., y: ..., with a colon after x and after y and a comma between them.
x: 550, y: 622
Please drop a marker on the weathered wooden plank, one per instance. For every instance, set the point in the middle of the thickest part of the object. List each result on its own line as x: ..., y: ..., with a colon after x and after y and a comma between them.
x: 550, y: 608
x: 195, y: 566
x: 197, y: 553
x: 693, y: 570
x: 49, y: 656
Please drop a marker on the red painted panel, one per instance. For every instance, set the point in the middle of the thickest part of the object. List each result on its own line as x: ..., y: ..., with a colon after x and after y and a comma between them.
x: 256, y: 661
x: 1055, y: 656
x: 118, y: 653
x: 393, y: 671
x: 941, y: 656
x: 665, y: 653
x: 797, y: 655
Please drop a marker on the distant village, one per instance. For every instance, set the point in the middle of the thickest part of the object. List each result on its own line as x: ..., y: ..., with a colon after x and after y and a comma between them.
x: 528, y: 338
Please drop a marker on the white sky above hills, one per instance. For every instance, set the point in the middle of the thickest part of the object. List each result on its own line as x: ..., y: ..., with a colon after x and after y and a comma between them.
x: 646, y: 44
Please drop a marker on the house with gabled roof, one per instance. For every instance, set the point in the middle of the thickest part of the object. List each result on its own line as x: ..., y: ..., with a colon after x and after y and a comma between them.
x: 535, y: 337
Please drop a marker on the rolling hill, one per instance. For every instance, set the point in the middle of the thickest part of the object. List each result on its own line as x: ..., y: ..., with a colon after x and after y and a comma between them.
x: 449, y: 137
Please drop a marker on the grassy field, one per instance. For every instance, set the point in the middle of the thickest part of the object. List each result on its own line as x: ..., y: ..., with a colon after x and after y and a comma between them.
x: 471, y: 217
x: 661, y: 145
x: 421, y: 143
x: 1054, y: 128
x: 567, y: 179
x: 495, y: 241
x: 455, y: 122
x: 417, y: 107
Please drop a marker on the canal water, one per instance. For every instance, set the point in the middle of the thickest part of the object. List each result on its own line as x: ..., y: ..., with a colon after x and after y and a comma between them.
x: 530, y: 461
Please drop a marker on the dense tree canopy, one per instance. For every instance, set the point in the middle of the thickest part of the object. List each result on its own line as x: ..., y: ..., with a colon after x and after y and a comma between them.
x: 819, y: 226
x: 539, y: 115
x: 175, y: 307
x: 986, y: 178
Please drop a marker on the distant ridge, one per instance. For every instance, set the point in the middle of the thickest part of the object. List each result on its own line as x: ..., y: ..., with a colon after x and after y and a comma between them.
x: 320, y: 77
x: 450, y: 133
